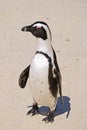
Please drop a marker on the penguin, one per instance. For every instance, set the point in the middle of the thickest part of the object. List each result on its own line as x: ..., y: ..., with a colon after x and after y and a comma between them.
x: 43, y: 74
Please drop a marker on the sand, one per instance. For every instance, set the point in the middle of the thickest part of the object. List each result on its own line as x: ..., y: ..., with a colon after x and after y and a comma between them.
x: 68, y: 23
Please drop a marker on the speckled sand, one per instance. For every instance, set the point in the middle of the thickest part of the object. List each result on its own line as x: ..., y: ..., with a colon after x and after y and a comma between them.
x: 68, y: 23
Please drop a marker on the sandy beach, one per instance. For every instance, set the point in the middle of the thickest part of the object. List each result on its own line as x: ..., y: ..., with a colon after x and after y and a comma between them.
x: 67, y: 20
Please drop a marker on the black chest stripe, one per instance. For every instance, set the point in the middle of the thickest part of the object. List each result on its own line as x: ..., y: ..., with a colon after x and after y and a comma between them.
x: 51, y: 80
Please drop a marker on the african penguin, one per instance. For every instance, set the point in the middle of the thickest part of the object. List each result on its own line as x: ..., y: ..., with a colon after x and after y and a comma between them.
x: 43, y: 74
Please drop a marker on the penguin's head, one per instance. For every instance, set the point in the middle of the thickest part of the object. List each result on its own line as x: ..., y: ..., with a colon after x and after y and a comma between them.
x: 39, y: 29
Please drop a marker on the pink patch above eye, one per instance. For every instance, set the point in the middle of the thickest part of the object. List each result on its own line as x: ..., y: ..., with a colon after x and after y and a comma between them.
x: 38, y: 27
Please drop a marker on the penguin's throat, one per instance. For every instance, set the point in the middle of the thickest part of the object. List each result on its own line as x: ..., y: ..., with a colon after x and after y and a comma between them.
x: 45, y: 46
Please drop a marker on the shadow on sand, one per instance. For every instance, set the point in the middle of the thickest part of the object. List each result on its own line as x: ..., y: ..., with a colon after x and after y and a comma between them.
x: 60, y: 109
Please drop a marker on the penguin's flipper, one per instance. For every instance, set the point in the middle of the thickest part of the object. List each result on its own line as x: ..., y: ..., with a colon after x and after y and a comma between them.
x: 58, y: 74
x: 23, y: 77
x: 60, y: 89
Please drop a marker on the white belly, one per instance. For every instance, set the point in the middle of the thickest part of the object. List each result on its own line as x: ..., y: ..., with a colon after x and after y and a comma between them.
x: 38, y: 81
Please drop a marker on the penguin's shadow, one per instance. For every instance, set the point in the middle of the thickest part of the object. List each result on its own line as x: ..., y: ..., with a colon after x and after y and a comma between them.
x: 60, y: 108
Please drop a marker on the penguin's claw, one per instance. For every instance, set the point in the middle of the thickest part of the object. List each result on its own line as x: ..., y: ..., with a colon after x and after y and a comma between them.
x: 34, y: 110
x: 49, y: 118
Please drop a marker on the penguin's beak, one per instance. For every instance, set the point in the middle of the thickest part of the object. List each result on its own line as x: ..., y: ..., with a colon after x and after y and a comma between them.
x: 27, y: 29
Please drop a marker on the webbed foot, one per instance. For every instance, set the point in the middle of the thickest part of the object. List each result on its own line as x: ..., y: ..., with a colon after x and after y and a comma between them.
x: 34, y: 110
x: 49, y: 118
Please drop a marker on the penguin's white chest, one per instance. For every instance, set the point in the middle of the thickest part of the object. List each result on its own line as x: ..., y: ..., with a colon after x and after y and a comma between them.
x: 38, y: 81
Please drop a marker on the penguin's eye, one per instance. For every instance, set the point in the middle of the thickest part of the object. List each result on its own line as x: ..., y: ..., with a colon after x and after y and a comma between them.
x: 37, y: 28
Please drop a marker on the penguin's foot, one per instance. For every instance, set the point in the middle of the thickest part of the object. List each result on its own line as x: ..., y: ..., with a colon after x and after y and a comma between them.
x: 34, y: 110
x: 49, y: 118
